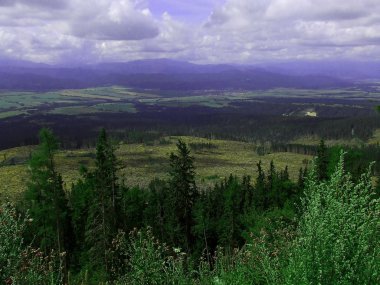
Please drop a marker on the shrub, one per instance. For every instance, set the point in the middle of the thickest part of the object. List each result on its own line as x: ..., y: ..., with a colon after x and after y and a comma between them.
x: 338, y: 235
x: 19, y: 264
x: 150, y: 262
x: 11, y: 229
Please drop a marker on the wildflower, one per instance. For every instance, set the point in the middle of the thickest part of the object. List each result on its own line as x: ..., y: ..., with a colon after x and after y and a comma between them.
x: 176, y: 249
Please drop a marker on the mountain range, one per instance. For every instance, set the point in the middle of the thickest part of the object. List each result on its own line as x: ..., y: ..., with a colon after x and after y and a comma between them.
x: 166, y: 74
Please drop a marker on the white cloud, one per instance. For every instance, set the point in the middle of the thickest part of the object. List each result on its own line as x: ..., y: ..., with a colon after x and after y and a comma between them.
x: 54, y: 4
x: 285, y: 29
x: 113, y: 20
x: 241, y: 31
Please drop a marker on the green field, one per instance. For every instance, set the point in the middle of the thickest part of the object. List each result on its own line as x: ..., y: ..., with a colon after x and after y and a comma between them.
x: 121, y: 99
x: 71, y: 102
x: 143, y: 162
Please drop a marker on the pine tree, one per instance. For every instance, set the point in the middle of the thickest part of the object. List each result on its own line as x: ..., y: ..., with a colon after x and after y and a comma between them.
x: 229, y: 224
x: 261, y: 199
x: 45, y: 198
x: 322, y: 161
x: 247, y: 194
x: 204, y: 228
x: 155, y: 209
x: 102, y: 217
x: 285, y: 174
x: 301, y: 179
x: 80, y: 200
x: 182, y: 196
x: 273, y: 186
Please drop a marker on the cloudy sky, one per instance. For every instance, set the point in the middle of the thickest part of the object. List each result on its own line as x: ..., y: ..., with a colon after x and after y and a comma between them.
x: 202, y: 31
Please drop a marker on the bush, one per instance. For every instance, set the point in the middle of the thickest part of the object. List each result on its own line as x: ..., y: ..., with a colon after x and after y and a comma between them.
x: 149, y: 262
x: 11, y: 229
x: 19, y: 264
x: 338, y: 235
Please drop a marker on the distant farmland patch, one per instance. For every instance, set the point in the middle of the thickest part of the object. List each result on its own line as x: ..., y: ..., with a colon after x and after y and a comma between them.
x: 116, y: 107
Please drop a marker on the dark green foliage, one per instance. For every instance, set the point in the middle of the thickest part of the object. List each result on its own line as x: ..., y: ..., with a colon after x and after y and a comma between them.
x: 302, y: 174
x: 46, y: 201
x: 236, y: 232
x: 133, y: 203
x: 247, y: 194
x: 181, y: 197
x: 322, y: 161
x: 80, y: 203
x: 101, y: 224
x: 202, y: 146
x: 337, y: 238
x: 96, y: 201
x: 147, y: 261
x: 154, y: 213
x: 229, y: 227
x: 205, y: 225
x: 261, y: 199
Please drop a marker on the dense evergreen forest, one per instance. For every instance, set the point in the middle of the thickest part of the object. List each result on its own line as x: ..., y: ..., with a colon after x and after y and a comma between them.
x: 321, y: 229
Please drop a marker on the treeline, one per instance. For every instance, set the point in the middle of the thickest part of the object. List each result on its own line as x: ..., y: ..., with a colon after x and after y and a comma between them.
x: 257, y: 122
x: 236, y: 232
x: 357, y: 158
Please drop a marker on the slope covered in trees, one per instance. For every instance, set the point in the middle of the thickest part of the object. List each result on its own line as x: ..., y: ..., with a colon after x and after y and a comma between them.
x: 320, y: 230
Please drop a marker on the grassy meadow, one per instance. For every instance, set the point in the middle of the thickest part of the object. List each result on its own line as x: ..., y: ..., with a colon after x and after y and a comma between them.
x: 141, y: 163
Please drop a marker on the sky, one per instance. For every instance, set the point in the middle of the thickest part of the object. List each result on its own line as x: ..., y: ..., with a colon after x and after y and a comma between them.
x: 200, y: 31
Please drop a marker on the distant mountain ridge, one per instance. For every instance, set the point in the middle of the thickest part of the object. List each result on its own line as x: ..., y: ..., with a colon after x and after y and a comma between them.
x: 349, y: 70
x: 162, y: 74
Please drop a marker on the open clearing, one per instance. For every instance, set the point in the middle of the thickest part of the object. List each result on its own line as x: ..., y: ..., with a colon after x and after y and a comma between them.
x: 143, y: 162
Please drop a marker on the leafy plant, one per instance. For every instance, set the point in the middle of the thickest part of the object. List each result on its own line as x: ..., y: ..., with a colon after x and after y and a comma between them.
x: 337, y: 240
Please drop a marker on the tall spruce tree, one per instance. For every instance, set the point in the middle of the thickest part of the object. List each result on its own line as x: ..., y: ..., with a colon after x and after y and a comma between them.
x: 261, y: 198
x: 154, y: 211
x: 182, y: 196
x: 322, y: 161
x: 101, y: 221
x: 272, y: 186
x: 247, y: 194
x: 80, y: 201
x: 229, y: 225
x: 45, y: 198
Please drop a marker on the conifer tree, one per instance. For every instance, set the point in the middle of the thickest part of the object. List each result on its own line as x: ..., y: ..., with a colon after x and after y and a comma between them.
x: 154, y: 212
x: 45, y: 198
x: 247, y: 194
x: 272, y: 185
x: 101, y: 221
x: 301, y: 179
x: 80, y: 201
x: 204, y: 228
x: 261, y: 199
x: 322, y: 161
x: 229, y: 223
x: 182, y: 196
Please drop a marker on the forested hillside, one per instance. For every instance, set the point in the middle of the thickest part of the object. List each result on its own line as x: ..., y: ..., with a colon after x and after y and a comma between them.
x: 320, y: 229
